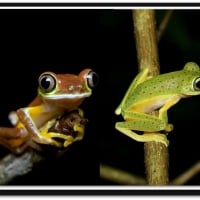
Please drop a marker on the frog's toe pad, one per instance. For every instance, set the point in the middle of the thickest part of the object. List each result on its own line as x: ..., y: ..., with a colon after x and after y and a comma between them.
x: 78, y: 128
x: 67, y: 143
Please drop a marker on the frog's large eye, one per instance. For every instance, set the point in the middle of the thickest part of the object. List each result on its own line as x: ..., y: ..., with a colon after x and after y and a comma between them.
x: 92, y: 79
x: 47, y: 82
x: 196, y: 84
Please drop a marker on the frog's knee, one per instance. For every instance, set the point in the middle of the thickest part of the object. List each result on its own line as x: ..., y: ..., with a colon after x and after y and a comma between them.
x: 169, y: 128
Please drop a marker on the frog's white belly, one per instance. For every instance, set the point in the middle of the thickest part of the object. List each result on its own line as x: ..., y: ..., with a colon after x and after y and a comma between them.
x: 155, y: 106
x: 151, y: 105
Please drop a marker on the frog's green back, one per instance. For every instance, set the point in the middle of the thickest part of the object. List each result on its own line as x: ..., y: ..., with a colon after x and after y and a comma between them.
x: 174, y: 83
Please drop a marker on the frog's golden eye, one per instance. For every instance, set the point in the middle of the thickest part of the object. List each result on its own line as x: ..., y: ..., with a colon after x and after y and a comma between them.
x: 92, y: 79
x: 47, y: 82
x: 196, y: 84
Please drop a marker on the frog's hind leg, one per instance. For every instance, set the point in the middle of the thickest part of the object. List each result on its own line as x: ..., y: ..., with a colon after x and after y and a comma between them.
x: 14, y: 139
x: 12, y: 133
x: 148, y: 137
x: 146, y: 123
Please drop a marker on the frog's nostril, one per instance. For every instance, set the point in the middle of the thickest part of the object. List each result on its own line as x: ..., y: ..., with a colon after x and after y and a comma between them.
x: 71, y: 88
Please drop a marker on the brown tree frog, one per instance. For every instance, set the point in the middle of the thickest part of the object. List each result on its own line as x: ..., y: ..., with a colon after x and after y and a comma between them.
x: 57, y: 94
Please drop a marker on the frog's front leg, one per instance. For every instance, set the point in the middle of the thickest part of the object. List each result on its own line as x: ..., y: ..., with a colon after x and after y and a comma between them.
x: 26, y: 116
x: 141, y: 77
x: 146, y: 123
x: 69, y: 127
x: 44, y: 132
x: 163, y: 110
x: 43, y: 135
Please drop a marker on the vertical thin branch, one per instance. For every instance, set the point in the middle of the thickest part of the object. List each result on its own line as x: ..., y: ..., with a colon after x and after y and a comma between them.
x: 156, y: 154
x: 146, y: 41
x: 163, y: 24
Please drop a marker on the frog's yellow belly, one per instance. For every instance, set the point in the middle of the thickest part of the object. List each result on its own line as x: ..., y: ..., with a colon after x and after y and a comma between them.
x: 40, y: 119
x: 151, y: 104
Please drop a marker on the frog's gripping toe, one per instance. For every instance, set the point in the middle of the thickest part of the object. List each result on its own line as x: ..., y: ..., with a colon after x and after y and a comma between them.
x: 67, y: 129
x: 68, y: 140
x: 156, y: 137
x: 146, y: 137
x: 62, y: 140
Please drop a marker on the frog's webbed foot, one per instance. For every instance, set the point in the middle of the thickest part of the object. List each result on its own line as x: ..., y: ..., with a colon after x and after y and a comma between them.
x: 146, y: 137
x: 55, y: 138
x: 156, y: 137
x: 65, y: 130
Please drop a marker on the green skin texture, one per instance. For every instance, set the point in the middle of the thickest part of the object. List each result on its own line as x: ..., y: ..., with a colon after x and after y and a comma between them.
x: 147, y: 94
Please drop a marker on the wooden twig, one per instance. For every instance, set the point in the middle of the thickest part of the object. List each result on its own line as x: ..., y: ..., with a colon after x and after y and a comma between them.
x: 124, y: 178
x: 187, y: 175
x: 156, y: 154
x: 12, y: 166
x: 163, y: 24
x: 119, y: 176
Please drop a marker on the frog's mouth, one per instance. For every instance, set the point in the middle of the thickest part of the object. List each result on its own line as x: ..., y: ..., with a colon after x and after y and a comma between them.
x: 67, y: 96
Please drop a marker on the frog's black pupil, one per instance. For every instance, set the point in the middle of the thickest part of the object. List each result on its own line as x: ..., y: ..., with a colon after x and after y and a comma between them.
x: 95, y: 79
x: 92, y: 79
x: 198, y: 84
x: 45, y: 83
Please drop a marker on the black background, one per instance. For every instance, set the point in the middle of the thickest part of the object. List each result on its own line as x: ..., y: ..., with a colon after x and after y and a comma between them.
x: 67, y: 41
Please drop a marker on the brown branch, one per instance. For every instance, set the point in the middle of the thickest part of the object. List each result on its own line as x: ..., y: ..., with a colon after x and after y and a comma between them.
x: 163, y: 24
x: 156, y: 154
x: 187, y: 175
x: 12, y: 166
x: 119, y: 176
x: 122, y: 177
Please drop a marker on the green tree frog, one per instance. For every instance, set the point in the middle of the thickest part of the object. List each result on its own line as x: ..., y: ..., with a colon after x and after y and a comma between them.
x: 147, y: 94
x: 57, y: 94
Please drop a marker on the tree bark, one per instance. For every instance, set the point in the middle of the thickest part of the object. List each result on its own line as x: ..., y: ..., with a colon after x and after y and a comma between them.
x: 155, y: 154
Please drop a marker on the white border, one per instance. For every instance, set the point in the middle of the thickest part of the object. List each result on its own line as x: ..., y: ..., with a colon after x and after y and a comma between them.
x: 108, y: 8
x: 99, y: 187
x: 98, y: 1
x: 140, y: 2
